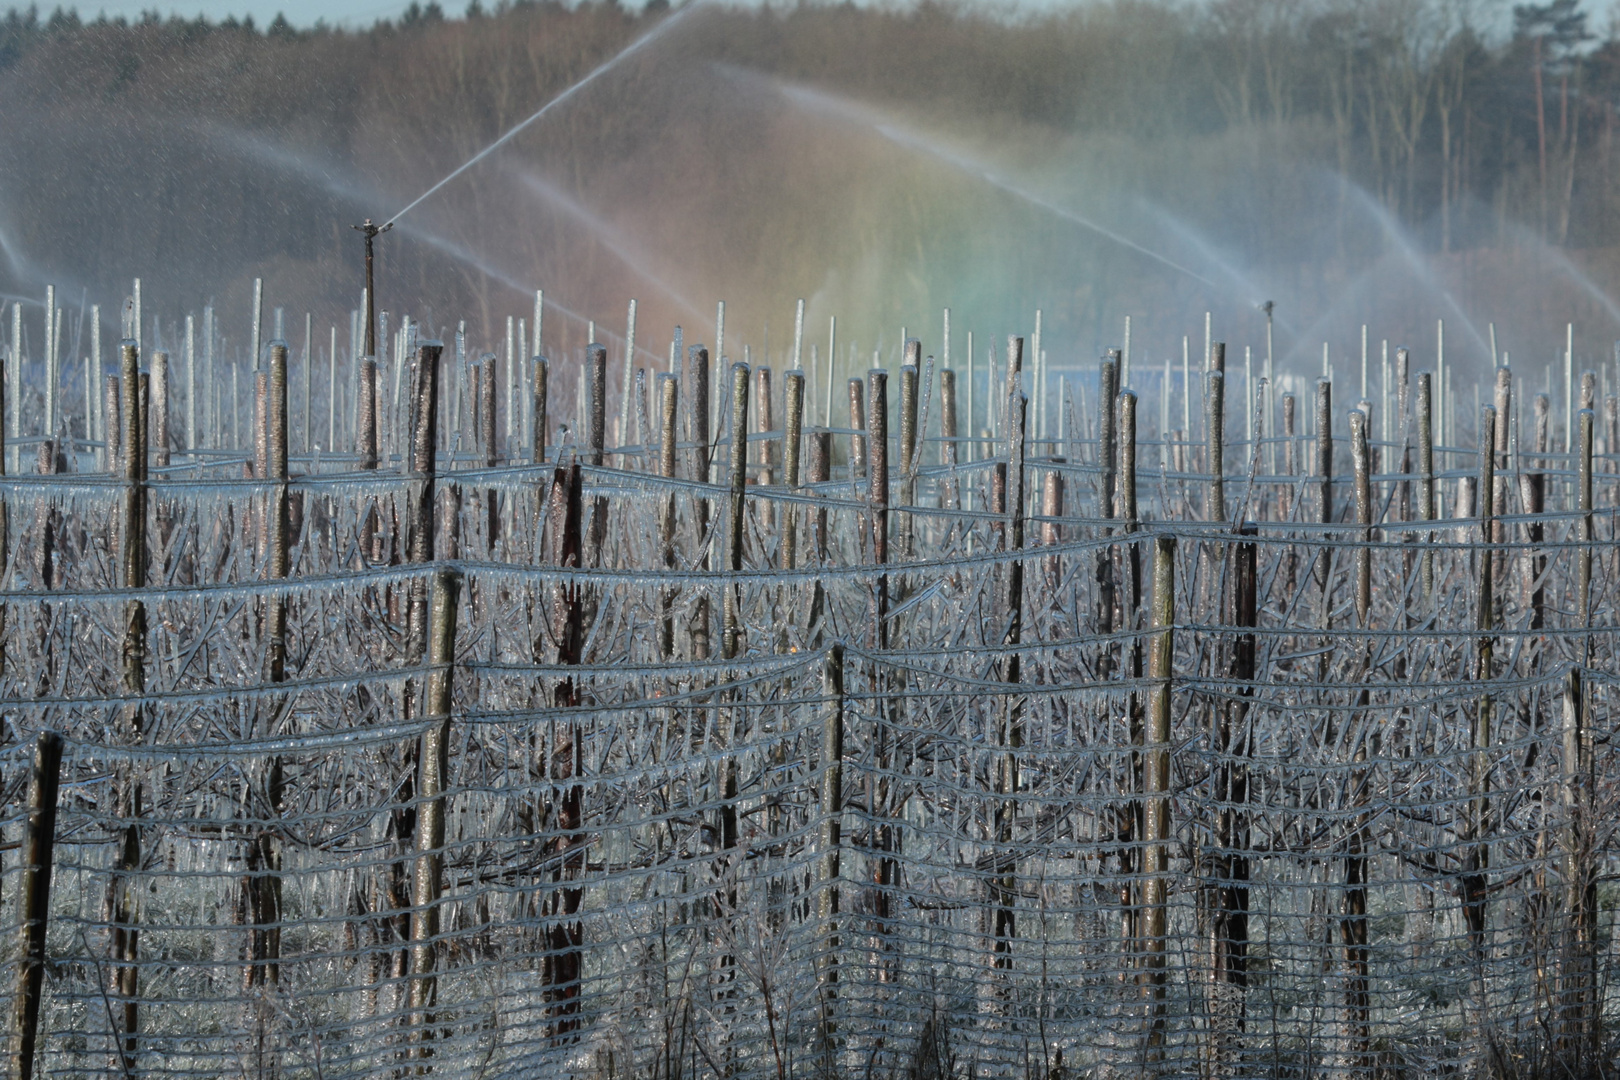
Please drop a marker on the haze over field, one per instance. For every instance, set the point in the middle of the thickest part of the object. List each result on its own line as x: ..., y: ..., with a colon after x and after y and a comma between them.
x: 1379, y: 162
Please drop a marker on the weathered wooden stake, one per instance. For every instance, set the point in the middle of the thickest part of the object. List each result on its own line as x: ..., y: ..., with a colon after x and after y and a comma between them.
x: 34, y: 896
x: 909, y: 437
x: 596, y: 443
x: 877, y: 496
x: 132, y: 575
x: 1156, y: 786
x: 949, y: 497
x: 736, y: 509
x: 669, y: 389
x: 1010, y: 727
x: 1232, y: 747
x: 1215, y: 435
x: 697, y: 368
x: 433, y: 773
x: 1427, y: 492
x: 793, y: 395
x: 1361, y: 467
x: 832, y: 812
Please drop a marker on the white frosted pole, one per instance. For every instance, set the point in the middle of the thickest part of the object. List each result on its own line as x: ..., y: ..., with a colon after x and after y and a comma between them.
x: 1248, y: 393
x: 539, y: 319
x: 191, y: 383
x: 210, y: 402
x: 96, y: 396
x: 511, y: 369
x: 525, y: 396
x: 135, y: 330
x: 629, y: 375
x: 1037, y: 358
x: 1124, y: 359
x: 973, y: 432
x: 1569, y: 386
x: 832, y: 363
x: 309, y: 334
x: 331, y: 393
x: 1186, y: 388
x: 50, y: 362
x: 1440, y: 369
x: 14, y: 396
x: 798, y: 336
x: 1164, y: 418
x: 1383, y: 383
x: 1363, y: 361
x: 254, y: 344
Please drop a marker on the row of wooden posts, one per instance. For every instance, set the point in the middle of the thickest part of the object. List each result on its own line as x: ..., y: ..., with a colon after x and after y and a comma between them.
x: 577, y: 540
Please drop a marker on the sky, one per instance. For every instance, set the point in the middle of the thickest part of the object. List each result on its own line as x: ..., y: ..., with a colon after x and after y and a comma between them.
x: 305, y: 13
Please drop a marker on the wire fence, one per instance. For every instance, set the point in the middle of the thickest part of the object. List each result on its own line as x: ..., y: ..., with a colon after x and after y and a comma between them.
x: 1002, y: 759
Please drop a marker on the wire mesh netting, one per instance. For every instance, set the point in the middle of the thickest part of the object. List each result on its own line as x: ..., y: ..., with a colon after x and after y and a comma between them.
x: 1004, y: 759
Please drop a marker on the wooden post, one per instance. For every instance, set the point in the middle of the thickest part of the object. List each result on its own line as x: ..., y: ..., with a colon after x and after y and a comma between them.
x: 1361, y: 467
x: 487, y: 404
x: 433, y: 772
x: 1010, y: 730
x: 1476, y: 862
x: 886, y: 834
x: 5, y: 508
x: 1285, y: 493
x: 949, y: 496
x: 793, y: 394
x: 34, y: 896
x: 821, y: 446
x: 1107, y: 602
x: 1156, y: 785
x: 1427, y: 493
x: 423, y: 472
x: 764, y: 424
x: 736, y: 506
x: 669, y: 389
x: 45, y: 525
x: 1503, y: 400
x: 160, y: 409
x: 1585, y: 532
x: 697, y: 366
x: 596, y: 443
x: 909, y: 441
x: 1353, y: 924
x: 1232, y: 747
x: 132, y: 575
x: 857, y: 423
x: 1324, y: 472
x: 277, y: 548
x: 877, y: 496
x: 1215, y: 434
x: 112, y: 397
x: 1581, y: 1030
x: 563, y: 963
x: 1051, y: 530
x: 832, y: 811
x: 263, y: 879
